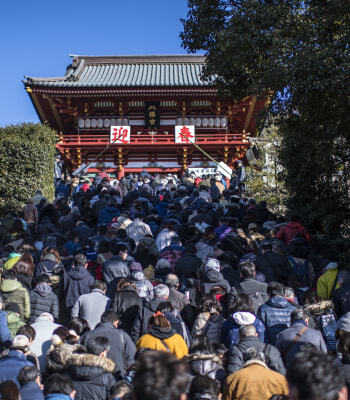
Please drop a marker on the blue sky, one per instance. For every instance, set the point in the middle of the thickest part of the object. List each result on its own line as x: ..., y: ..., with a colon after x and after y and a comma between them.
x: 37, y: 37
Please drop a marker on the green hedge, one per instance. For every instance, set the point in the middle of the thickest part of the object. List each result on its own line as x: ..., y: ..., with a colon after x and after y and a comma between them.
x: 26, y: 163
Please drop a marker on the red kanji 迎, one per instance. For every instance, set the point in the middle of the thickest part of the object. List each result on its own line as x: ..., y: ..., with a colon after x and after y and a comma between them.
x: 120, y: 135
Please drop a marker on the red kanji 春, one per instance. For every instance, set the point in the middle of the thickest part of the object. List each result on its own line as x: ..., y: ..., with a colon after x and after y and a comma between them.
x: 185, y: 135
x: 120, y: 135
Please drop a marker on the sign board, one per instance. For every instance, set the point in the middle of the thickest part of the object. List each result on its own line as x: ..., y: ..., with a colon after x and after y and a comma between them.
x: 120, y: 134
x: 81, y: 169
x: 185, y: 134
x: 224, y: 169
x: 200, y: 171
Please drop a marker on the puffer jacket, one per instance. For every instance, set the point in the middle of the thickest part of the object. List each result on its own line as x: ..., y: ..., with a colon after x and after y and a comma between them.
x: 76, y: 281
x: 144, y: 286
x: 43, y: 299
x: 209, y: 325
x: 275, y: 315
x: 206, y: 365
x: 272, y: 355
x: 326, y: 282
x: 13, y: 292
x: 230, y: 328
x: 92, y: 376
x: 14, y: 322
x: 214, y: 278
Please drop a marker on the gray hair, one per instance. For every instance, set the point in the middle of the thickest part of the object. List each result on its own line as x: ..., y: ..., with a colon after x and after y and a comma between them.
x: 161, y: 291
x: 172, y: 281
x: 253, y: 354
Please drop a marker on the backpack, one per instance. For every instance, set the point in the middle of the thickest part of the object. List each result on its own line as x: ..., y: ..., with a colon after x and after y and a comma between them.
x: 212, y: 328
x: 302, y: 271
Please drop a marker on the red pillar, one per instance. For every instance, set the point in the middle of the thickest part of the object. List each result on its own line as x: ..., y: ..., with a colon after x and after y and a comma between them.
x: 120, y: 173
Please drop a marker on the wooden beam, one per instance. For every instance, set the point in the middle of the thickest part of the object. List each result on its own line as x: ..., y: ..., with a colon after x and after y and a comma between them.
x: 37, y: 105
x: 250, y: 114
x: 54, y: 112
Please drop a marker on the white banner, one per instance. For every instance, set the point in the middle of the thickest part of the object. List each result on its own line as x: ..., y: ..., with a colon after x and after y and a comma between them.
x: 185, y: 134
x: 120, y: 134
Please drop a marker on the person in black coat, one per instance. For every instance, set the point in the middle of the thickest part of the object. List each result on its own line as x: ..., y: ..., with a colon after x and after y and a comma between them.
x: 92, y: 373
x: 77, y: 281
x: 43, y: 299
x: 247, y: 339
x: 122, y: 350
x: 341, y: 297
x: 115, y: 268
x: 188, y: 264
x: 127, y: 304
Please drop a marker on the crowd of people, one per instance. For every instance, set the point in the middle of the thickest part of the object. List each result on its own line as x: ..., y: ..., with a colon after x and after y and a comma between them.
x: 167, y: 288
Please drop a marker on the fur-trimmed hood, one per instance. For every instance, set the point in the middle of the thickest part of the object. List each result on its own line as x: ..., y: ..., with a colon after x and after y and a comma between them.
x: 85, y: 365
x: 56, y: 358
x: 204, y: 364
x: 320, y: 307
x: 199, y: 356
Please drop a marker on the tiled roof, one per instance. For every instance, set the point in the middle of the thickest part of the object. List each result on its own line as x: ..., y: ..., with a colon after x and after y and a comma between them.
x: 129, y: 71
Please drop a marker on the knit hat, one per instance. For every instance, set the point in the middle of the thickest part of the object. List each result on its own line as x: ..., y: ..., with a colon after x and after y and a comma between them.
x: 14, y: 307
x: 135, y: 266
x: 212, y: 264
x: 243, y: 318
x: 162, y: 263
x: 344, y: 322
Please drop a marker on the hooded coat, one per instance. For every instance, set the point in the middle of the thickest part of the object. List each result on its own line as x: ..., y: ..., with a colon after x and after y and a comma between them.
x: 288, y: 232
x: 13, y: 292
x: 112, y: 270
x: 107, y: 214
x: 11, y: 364
x: 206, y: 365
x: 56, y: 357
x: 14, y: 322
x: 91, y: 375
x: 213, y: 278
x: 143, y: 285
x: 76, y: 281
x: 43, y: 299
x: 275, y: 315
x: 230, y: 328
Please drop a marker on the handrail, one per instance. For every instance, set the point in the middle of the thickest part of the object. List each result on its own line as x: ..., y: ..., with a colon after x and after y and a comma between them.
x: 206, y: 138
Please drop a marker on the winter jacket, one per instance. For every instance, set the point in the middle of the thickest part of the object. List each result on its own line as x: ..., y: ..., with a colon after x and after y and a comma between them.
x: 144, y: 286
x: 13, y: 292
x: 273, y: 266
x: 164, y: 238
x: 44, y: 328
x: 127, y: 304
x: 345, y: 369
x: 137, y: 230
x: 206, y: 365
x: 209, y: 325
x: 230, y: 328
x: 14, y: 322
x: 140, y: 325
x: 255, y: 381
x: 187, y: 265
x: 11, y: 364
x: 326, y: 282
x: 56, y: 357
x: 202, y: 249
x: 107, y: 214
x: 43, y: 299
x: 76, y: 281
x: 47, y: 265
x: 310, y: 336
x: 62, y: 191
x: 257, y: 291
x: 112, y: 270
x: 91, y: 375
x: 31, y: 391
x: 172, y: 253
x: 275, y: 315
x: 341, y: 299
x: 177, y: 299
x: 91, y: 306
x: 179, y: 326
x: 26, y: 281
x: 214, y: 278
x: 272, y: 355
x: 174, y: 343
x: 5, y: 335
x: 84, y: 232
x: 292, y: 229
x: 162, y: 208
x: 58, y: 396
x: 72, y: 247
x: 122, y: 350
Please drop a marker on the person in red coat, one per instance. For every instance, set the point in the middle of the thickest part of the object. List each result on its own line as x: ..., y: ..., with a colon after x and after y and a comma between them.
x: 291, y: 230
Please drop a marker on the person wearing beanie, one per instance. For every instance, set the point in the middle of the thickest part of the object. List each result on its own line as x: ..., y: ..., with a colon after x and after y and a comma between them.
x: 143, y: 285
